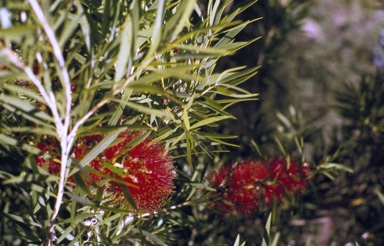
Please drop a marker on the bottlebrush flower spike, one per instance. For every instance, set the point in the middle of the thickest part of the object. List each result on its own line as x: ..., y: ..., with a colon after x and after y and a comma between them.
x: 251, y: 184
x: 147, y: 169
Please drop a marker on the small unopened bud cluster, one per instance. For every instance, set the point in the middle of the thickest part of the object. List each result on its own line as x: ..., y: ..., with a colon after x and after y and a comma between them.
x: 247, y: 186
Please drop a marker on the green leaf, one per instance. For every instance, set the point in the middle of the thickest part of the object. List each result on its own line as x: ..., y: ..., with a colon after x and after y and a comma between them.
x: 234, y: 77
x: 380, y: 195
x: 229, y: 102
x: 210, y: 121
x: 6, y: 140
x: 111, y: 218
x: 151, y: 237
x: 281, y: 146
x: 157, y: 29
x: 179, y: 20
x: 76, y: 239
x: 100, y: 147
x: 237, y: 242
x: 164, y: 133
x: 69, y: 28
x: 118, y: 112
x: 27, y: 232
x: 231, y: 33
x: 137, y: 140
x: 206, y: 50
x: 267, y: 231
x: 216, y: 140
x: 26, y: 109
x: 65, y: 234
x: 201, y: 186
x: 256, y: 146
x: 5, y: 175
x: 179, y: 72
x: 36, y: 130
x: 124, y: 57
x: 201, y: 31
x: 276, y: 238
x: 190, y: 146
x: 89, y: 29
x: 80, y: 183
x: 284, y: 120
x: 80, y: 199
x: 18, y: 32
x: 335, y: 166
x: 147, y: 110
x: 214, y: 12
x: 135, y: 15
x: 128, y: 196
x: 237, y: 45
x: 22, y: 91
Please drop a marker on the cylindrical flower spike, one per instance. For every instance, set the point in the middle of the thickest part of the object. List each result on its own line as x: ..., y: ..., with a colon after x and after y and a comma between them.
x: 250, y: 184
x: 146, y: 169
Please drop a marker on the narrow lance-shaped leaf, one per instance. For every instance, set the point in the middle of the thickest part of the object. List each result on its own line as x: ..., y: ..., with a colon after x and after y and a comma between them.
x: 207, y: 50
x: 179, y: 20
x: 17, y: 33
x: 210, y: 120
x: 157, y: 29
x: 380, y: 195
x: 179, y: 72
x: 217, y: 140
x: 267, y: 232
x: 26, y: 109
x: 335, y: 166
x: 124, y: 57
x: 154, y: 238
x: 118, y: 112
x: 147, y: 110
x: 236, y: 12
x: 65, y: 234
x: 128, y: 196
x: 16, y: 143
x: 69, y: 27
x: 100, y: 147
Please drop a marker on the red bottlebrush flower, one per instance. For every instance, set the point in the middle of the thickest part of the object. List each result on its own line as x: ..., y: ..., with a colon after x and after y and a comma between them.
x: 146, y: 168
x: 118, y: 149
x: 148, y: 172
x: 290, y: 175
x: 250, y: 184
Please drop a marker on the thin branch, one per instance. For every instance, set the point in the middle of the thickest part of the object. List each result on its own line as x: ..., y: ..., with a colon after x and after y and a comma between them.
x: 62, y: 129
x: 72, y: 135
x: 48, y: 30
x: 59, y: 57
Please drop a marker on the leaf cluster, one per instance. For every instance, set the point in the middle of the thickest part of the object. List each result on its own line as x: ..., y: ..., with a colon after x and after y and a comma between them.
x: 78, y: 68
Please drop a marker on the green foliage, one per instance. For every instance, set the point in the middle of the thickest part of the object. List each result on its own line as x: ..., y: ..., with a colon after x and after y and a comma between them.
x: 363, y: 107
x: 280, y: 19
x: 78, y: 68
x: 181, y: 73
